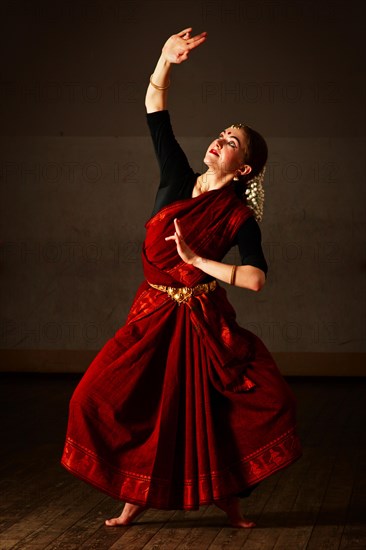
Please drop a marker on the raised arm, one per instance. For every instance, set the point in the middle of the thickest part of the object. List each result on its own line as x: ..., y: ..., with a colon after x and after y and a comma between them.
x: 175, y: 50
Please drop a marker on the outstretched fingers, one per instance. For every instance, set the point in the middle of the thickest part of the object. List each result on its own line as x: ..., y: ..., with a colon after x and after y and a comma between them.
x: 196, y: 40
x: 177, y: 228
x: 171, y: 237
x: 182, y: 33
x: 178, y: 233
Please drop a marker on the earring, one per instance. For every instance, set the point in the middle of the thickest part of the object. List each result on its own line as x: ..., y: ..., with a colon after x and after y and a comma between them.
x: 235, y: 178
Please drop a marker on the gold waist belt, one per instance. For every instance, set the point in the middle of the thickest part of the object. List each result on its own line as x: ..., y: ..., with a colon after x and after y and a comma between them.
x: 182, y: 294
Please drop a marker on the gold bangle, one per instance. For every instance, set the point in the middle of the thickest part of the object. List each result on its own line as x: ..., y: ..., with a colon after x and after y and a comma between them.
x: 233, y: 273
x: 158, y: 87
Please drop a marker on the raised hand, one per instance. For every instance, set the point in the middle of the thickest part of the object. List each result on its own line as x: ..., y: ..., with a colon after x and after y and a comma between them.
x: 178, y: 47
x: 183, y: 249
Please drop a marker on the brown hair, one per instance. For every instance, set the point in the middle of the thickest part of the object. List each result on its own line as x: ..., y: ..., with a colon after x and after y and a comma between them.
x: 256, y: 152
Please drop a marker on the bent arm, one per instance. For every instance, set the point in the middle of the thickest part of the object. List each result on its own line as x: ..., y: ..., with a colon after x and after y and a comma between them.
x: 247, y: 276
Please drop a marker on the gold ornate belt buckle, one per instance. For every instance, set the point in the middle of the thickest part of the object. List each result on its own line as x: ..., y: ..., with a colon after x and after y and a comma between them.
x: 182, y: 294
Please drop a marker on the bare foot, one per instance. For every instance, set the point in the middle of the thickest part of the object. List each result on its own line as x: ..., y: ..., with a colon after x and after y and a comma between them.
x: 242, y: 523
x: 231, y: 506
x: 129, y: 513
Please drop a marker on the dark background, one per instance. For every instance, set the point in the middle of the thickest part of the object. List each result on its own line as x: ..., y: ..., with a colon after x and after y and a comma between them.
x: 78, y: 172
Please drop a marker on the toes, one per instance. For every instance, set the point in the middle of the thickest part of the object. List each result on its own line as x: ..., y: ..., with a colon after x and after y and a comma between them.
x: 244, y: 524
x: 128, y: 515
x: 113, y: 521
x: 249, y: 525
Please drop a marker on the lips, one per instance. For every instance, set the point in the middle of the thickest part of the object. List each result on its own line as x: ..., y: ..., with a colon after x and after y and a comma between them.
x: 213, y: 152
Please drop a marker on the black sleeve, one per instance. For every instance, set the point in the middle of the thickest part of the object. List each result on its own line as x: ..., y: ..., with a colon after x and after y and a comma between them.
x: 249, y: 241
x: 176, y: 175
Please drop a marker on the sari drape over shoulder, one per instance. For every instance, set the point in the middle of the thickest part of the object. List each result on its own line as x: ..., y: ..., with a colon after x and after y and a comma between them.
x: 182, y: 406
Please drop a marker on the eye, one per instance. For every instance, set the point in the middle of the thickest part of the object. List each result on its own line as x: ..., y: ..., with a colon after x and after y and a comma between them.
x: 231, y: 143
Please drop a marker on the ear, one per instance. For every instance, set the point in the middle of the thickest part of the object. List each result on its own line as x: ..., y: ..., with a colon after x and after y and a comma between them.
x: 244, y: 170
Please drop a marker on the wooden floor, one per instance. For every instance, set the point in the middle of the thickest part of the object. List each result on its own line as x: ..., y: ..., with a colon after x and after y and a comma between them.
x: 319, y: 503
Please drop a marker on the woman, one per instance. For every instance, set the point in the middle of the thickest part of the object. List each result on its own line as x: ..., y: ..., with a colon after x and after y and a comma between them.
x: 183, y: 407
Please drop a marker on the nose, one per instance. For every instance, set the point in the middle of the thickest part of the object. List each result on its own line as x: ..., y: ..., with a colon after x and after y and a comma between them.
x: 218, y: 143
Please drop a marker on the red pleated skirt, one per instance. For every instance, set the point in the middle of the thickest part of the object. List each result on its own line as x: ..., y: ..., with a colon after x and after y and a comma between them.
x: 154, y: 420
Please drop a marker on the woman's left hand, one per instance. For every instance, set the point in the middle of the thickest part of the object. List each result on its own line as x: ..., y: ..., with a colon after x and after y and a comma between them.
x: 178, y: 47
x: 186, y: 253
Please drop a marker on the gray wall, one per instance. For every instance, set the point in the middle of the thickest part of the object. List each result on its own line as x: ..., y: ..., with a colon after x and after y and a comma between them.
x: 79, y: 175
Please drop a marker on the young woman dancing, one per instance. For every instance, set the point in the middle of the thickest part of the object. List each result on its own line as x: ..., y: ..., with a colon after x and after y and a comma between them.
x: 183, y: 407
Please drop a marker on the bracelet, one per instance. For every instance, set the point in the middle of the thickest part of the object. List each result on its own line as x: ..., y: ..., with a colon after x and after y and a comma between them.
x: 233, y: 273
x: 158, y: 87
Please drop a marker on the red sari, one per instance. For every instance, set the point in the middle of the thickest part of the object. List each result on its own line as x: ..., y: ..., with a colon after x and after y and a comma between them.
x: 182, y: 406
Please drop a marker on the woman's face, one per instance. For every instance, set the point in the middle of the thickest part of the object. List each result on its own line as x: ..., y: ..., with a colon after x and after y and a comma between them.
x: 227, y: 152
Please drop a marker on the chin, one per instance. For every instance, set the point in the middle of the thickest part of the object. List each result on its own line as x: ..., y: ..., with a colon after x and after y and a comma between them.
x: 207, y: 160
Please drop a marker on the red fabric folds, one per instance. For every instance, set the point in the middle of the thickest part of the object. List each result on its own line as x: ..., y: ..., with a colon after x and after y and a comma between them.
x: 209, y: 224
x: 182, y: 406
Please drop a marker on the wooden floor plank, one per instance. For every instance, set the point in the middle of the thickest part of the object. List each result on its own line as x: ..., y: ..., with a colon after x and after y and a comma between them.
x: 331, y: 525
x: 282, y: 499
x: 200, y: 536
x: 300, y: 519
x: 317, y: 503
x: 354, y: 534
x: 324, y: 443
x: 22, y: 496
x: 138, y: 536
x: 84, y: 527
x: 129, y: 537
x: 332, y: 517
x: 174, y: 531
x: 252, y: 507
x: 47, y: 520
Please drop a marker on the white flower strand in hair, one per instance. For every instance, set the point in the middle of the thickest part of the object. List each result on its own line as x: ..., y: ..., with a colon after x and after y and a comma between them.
x: 254, y: 188
x: 254, y: 193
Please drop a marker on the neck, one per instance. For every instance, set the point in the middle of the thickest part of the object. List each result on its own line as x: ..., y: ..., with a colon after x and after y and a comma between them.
x: 212, y: 180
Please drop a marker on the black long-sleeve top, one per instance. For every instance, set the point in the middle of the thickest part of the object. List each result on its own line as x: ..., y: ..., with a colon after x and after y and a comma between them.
x: 177, y: 180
